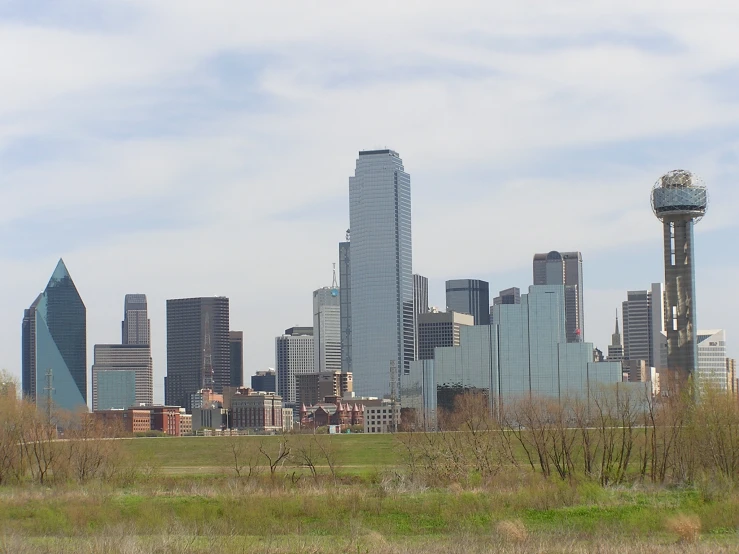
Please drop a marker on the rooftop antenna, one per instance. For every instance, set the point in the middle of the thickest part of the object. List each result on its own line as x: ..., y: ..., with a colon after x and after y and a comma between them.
x: 334, y: 282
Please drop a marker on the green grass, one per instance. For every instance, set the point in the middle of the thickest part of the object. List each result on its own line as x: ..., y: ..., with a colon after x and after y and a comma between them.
x: 189, y: 454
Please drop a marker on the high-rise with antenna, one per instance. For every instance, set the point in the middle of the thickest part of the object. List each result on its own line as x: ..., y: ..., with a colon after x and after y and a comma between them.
x: 679, y: 200
x: 327, y: 327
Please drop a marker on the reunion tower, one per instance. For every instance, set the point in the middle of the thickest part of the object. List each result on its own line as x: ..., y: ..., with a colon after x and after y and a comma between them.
x: 679, y: 200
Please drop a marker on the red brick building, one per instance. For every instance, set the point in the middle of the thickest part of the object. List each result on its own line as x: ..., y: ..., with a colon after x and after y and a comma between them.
x: 337, y: 412
x: 256, y: 410
x: 145, y: 418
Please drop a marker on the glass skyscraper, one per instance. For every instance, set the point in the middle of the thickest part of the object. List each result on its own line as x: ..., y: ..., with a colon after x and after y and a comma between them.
x: 469, y: 296
x: 564, y: 268
x: 381, y: 295
x: 523, y: 354
x: 54, y: 344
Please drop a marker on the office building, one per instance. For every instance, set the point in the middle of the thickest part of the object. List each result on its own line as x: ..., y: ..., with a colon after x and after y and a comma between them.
x: 54, y: 345
x: 381, y: 297
x: 679, y: 200
x: 264, y: 381
x: 327, y: 328
x: 524, y: 353
x: 294, y: 355
x: 732, y: 379
x: 236, y: 345
x: 122, y: 376
x: 644, y: 336
x: 198, y: 350
x: 382, y: 418
x: 345, y: 304
x: 616, y: 348
x: 313, y: 388
x: 564, y: 268
x: 439, y: 329
x: 508, y: 296
x: 136, y: 327
x: 712, y: 367
x: 469, y: 296
x: 262, y: 412
x: 420, y: 294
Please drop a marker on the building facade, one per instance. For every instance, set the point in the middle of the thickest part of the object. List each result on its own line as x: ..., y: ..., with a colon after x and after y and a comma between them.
x: 236, y: 349
x: 264, y: 381
x: 523, y: 354
x: 616, y: 348
x: 198, y: 348
x: 469, y: 296
x: 712, y: 368
x: 122, y: 376
x: 327, y: 329
x: 383, y: 418
x: 294, y: 356
x: 564, y: 268
x: 261, y: 412
x: 381, y: 296
x: 54, y: 345
x: 644, y: 336
x: 135, y: 327
x: 313, y: 388
x: 508, y: 296
x: 345, y: 304
x: 439, y: 329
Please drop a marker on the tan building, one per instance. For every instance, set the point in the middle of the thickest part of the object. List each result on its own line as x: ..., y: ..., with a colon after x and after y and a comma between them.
x: 313, y: 388
x: 438, y: 329
x: 732, y: 378
x: 287, y: 420
x: 258, y: 411
x: 185, y: 423
x: 379, y: 418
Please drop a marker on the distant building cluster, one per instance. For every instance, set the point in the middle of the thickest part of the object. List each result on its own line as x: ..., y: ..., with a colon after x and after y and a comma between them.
x: 377, y: 354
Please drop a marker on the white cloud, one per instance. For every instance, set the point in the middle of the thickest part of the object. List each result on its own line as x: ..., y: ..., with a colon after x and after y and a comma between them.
x: 494, y: 108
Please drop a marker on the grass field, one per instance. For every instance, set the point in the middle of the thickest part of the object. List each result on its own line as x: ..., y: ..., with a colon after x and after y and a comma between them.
x: 187, y: 497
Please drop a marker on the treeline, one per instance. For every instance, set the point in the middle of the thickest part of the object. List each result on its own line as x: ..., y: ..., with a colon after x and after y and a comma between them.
x: 52, y: 446
x: 617, y: 435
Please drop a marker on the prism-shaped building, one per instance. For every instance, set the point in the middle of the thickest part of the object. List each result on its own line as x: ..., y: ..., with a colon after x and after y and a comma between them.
x: 54, y: 339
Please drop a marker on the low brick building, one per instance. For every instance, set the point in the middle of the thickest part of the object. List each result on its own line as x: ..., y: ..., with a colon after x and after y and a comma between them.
x: 336, y: 412
x: 258, y: 411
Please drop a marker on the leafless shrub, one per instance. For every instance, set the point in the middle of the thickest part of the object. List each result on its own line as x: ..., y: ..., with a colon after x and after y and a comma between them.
x: 512, y: 530
x: 687, y: 527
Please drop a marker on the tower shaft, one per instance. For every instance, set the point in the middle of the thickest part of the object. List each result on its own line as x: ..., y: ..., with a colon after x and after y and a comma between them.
x: 680, y: 313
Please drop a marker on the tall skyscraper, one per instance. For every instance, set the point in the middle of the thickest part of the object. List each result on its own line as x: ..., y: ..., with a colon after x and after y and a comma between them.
x: 198, y: 352
x: 381, y: 297
x: 294, y: 355
x: 643, y: 321
x: 469, y: 296
x: 236, y: 349
x: 564, y: 268
x: 121, y: 376
x: 679, y: 200
x: 712, y: 367
x: 327, y: 328
x: 136, y: 328
x: 54, y: 343
x: 345, y: 304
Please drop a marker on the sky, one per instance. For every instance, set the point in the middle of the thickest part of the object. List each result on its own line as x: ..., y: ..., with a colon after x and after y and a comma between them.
x: 191, y: 148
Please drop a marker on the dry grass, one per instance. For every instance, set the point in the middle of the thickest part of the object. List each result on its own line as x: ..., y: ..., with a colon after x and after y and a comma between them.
x: 687, y: 527
x: 512, y: 530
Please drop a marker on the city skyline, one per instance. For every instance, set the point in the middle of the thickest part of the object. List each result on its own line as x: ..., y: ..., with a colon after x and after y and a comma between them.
x: 525, y: 133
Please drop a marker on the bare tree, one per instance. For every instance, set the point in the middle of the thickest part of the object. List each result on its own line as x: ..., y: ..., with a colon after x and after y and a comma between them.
x: 275, y: 459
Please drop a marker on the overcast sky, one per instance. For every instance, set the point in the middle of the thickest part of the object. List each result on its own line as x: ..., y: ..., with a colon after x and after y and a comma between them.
x: 190, y: 148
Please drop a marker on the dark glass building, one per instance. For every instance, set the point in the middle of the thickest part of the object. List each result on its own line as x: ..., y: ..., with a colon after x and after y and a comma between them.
x: 198, y: 348
x: 236, y: 341
x: 264, y: 381
x: 54, y: 344
x: 469, y: 296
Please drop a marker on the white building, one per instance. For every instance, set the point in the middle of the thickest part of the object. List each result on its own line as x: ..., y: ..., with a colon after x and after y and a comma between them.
x: 712, y: 368
x: 379, y: 419
x: 294, y: 355
x: 327, y: 329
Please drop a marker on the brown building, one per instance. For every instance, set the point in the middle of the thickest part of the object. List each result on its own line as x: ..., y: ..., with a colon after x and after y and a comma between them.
x: 165, y: 419
x: 337, y: 412
x: 314, y: 388
x: 259, y: 411
x: 130, y: 421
